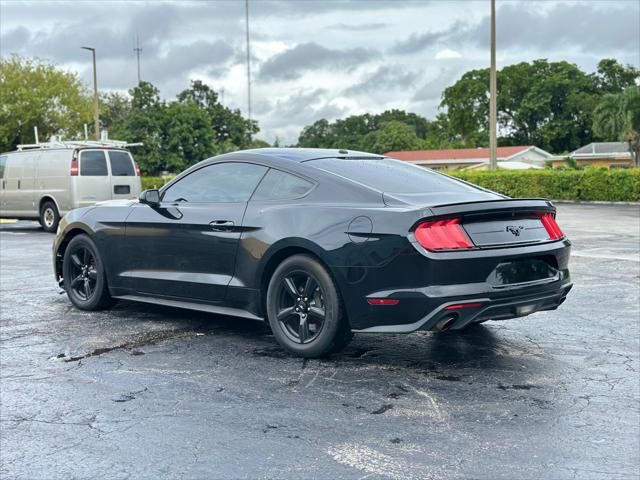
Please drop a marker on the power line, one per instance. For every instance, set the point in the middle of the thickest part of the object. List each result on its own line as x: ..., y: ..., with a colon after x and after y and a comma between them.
x: 138, y: 50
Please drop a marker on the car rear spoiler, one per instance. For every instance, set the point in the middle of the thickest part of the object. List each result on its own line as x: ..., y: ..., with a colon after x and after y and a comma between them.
x: 493, y: 206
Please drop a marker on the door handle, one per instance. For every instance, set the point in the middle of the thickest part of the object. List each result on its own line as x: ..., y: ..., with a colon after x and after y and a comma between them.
x: 221, y: 225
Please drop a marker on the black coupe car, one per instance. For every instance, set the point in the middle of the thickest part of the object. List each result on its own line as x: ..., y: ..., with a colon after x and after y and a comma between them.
x: 321, y: 243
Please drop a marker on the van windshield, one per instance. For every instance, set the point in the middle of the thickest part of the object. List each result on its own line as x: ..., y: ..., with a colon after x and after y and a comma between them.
x: 121, y: 164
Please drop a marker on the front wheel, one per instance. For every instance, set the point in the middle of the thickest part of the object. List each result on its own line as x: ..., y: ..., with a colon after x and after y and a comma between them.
x: 304, y: 308
x: 84, y: 275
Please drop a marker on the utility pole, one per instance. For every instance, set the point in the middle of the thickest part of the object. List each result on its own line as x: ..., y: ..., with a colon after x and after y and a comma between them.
x: 493, y: 117
x: 96, y: 108
x: 138, y: 51
x: 246, y: 3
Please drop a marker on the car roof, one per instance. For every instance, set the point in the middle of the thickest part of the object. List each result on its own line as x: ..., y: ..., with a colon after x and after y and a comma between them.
x: 299, y: 155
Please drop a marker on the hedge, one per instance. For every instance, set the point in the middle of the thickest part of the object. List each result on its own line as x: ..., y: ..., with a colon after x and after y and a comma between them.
x: 590, y: 184
x: 153, y: 182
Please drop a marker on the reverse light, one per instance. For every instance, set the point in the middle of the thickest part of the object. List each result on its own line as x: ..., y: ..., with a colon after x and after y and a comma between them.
x: 549, y: 222
x: 445, y: 234
x: 383, y: 301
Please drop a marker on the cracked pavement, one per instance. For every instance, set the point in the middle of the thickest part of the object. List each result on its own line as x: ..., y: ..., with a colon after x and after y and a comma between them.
x: 144, y: 391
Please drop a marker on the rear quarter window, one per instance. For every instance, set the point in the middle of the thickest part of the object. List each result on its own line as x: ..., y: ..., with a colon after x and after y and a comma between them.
x: 391, y: 176
x: 3, y: 163
x: 121, y: 164
x: 93, y: 164
x: 278, y: 185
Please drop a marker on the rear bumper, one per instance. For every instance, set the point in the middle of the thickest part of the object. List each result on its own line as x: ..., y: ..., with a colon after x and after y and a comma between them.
x: 454, y: 315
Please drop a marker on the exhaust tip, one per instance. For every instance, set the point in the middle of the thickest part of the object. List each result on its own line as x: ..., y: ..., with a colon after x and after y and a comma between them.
x: 446, y: 323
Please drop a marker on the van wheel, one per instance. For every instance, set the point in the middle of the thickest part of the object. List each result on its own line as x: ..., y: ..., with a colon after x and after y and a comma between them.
x: 49, y: 217
x: 305, y: 309
x: 84, y: 275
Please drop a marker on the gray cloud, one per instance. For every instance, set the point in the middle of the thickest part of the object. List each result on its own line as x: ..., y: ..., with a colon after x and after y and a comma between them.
x: 362, y: 27
x: 292, y: 63
x: 384, y: 78
x: 583, y: 26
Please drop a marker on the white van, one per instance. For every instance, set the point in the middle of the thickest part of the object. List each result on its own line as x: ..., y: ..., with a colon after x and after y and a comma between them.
x: 44, y: 181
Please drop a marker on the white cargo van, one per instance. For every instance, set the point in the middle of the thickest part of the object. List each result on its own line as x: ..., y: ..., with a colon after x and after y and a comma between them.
x: 45, y: 180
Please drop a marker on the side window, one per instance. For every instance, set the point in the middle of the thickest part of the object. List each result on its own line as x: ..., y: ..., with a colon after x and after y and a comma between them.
x: 3, y: 162
x: 93, y: 164
x: 278, y: 185
x: 121, y: 164
x: 219, y: 183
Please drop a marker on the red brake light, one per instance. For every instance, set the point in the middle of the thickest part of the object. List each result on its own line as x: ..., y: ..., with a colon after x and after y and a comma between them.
x: 383, y: 301
x: 458, y: 306
x: 137, y: 168
x: 74, y: 167
x: 549, y: 222
x: 443, y: 235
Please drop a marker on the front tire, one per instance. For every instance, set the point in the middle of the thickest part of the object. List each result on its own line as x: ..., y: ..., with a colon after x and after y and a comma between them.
x: 305, y: 310
x: 85, y: 280
x: 49, y: 217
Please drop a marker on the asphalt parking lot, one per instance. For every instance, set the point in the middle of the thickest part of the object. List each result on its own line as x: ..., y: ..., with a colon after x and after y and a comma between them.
x: 151, y: 392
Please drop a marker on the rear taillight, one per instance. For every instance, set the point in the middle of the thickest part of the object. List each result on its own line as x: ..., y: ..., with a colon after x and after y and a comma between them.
x: 443, y: 235
x: 74, y: 167
x: 137, y: 169
x: 549, y: 222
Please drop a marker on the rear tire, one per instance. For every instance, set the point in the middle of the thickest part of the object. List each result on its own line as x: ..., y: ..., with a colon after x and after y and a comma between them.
x: 305, y: 309
x: 85, y: 280
x: 49, y: 217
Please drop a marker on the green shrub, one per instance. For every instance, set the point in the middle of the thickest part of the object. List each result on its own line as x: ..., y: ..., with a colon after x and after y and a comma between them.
x: 616, y: 185
x: 153, y: 182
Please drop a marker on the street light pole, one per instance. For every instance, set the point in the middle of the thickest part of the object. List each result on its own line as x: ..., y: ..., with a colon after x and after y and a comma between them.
x: 96, y: 108
x: 246, y: 11
x: 493, y: 120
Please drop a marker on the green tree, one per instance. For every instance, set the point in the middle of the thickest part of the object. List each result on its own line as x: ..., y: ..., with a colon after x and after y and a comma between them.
x: 617, y: 116
x: 37, y: 94
x: 229, y: 126
x: 188, y: 136
x: 146, y: 123
x: 393, y: 136
x: 115, y: 108
x: 613, y: 77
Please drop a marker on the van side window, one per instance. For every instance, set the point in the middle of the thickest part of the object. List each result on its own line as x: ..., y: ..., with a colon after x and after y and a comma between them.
x: 3, y: 162
x: 93, y: 164
x: 121, y: 164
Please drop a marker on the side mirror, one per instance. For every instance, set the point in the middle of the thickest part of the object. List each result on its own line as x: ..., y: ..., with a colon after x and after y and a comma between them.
x: 150, y: 197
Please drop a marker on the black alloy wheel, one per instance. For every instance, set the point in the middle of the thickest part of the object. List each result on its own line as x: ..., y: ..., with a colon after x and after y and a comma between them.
x: 300, y: 307
x: 84, y: 277
x: 304, y: 308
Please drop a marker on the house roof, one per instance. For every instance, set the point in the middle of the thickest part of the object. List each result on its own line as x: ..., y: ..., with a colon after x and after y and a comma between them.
x: 459, y: 154
x: 603, y: 148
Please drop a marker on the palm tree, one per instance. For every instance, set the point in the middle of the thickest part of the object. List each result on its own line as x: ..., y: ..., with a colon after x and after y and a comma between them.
x: 617, y: 116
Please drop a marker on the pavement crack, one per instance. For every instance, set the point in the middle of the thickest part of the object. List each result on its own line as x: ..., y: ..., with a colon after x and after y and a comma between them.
x: 141, y: 340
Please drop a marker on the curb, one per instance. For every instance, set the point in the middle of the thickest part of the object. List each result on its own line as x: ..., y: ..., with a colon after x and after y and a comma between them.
x: 595, y: 202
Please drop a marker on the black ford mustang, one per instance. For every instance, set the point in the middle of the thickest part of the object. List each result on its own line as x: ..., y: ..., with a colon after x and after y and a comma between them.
x: 321, y: 243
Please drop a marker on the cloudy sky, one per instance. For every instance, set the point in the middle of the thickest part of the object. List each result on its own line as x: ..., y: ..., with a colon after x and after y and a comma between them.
x: 315, y: 59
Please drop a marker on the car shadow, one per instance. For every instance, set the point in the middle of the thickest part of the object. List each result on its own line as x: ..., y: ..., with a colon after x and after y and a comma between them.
x: 477, y: 347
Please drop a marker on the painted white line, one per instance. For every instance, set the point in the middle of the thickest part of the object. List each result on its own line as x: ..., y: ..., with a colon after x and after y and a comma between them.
x: 628, y: 258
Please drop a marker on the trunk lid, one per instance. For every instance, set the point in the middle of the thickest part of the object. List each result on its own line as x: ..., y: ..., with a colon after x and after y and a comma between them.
x: 503, y: 222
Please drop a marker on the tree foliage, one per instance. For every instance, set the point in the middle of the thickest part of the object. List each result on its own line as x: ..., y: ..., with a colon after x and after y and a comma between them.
x: 617, y: 116
x: 176, y: 134
x: 35, y: 94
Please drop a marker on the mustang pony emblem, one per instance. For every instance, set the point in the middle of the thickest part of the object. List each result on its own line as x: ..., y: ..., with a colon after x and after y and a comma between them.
x: 515, y: 229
